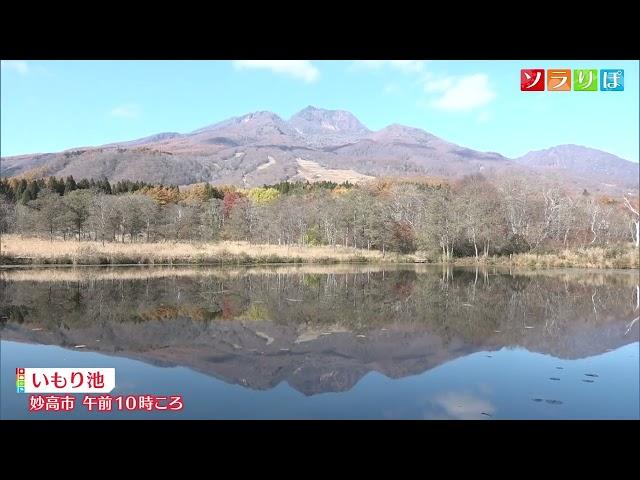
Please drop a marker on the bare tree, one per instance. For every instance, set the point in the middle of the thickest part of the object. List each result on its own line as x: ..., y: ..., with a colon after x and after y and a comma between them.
x: 7, y: 217
x: 515, y: 198
x: 635, y: 236
x: 442, y: 225
x: 567, y: 216
x: 104, y: 216
x: 50, y: 212
x: 477, y: 202
x: 212, y: 219
x: 77, y: 209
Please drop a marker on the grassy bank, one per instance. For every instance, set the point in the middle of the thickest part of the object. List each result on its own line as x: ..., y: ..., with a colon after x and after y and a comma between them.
x: 616, y: 256
x: 18, y: 250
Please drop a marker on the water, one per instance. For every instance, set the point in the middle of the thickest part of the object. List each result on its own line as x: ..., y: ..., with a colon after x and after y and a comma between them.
x: 333, y: 342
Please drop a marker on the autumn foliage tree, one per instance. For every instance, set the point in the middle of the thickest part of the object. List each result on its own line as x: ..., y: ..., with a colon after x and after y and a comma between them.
x: 230, y: 199
x: 473, y: 216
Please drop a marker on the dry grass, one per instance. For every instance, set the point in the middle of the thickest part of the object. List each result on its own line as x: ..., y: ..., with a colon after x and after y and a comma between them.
x: 29, y: 250
x: 17, y: 250
x: 314, y: 172
x: 615, y: 256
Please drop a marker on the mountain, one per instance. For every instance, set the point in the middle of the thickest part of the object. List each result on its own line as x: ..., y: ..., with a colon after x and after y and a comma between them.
x: 324, y: 128
x: 317, y: 144
x: 581, y: 165
x: 158, y: 137
x: 400, y: 134
x: 258, y: 127
x: 312, y: 120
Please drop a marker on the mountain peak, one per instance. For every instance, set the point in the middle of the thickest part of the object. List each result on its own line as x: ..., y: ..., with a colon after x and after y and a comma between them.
x: 402, y: 134
x: 262, y: 115
x: 313, y: 120
x: 250, y: 119
x: 309, y: 108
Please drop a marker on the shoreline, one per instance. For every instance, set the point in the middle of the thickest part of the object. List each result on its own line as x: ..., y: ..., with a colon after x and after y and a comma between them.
x: 30, y: 252
x: 463, y: 262
x: 466, y: 262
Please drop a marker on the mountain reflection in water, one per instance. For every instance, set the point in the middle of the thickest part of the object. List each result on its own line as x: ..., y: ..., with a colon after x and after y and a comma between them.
x: 318, y: 328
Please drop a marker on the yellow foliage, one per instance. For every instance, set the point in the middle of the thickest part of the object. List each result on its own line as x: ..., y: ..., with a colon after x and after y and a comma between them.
x: 32, y: 174
x: 263, y: 195
x: 340, y: 191
x: 195, y: 193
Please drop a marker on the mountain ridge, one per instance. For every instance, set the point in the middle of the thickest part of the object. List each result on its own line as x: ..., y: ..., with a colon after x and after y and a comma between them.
x: 262, y: 148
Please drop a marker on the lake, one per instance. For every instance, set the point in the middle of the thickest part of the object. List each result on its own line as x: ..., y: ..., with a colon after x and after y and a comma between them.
x: 333, y: 341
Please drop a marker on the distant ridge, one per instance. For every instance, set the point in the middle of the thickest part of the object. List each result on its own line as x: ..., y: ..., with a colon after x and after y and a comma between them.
x: 262, y: 148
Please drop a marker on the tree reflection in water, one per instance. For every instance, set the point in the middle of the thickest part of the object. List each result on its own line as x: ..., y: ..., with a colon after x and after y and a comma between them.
x: 321, y: 328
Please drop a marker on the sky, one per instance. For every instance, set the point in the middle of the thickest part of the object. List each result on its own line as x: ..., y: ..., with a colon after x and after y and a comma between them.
x: 49, y: 106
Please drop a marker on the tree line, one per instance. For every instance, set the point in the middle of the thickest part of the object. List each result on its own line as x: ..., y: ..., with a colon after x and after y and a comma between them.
x: 469, y: 217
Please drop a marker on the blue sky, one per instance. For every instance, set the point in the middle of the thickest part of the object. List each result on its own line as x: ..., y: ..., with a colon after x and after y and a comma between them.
x: 49, y: 106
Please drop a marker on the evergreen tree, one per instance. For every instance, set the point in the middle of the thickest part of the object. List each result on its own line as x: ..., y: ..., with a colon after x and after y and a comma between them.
x: 33, y: 189
x: 25, y: 198
x: 69, y: 185
x: 20, y: 188
x: 104, y: 186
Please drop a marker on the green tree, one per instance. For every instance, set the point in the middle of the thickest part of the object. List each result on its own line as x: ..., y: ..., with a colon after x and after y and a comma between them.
x: 26, y: 197
x: 69, y: 185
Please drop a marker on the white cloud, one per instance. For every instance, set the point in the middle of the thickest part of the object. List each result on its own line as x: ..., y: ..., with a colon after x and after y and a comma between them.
x: 125, y: 111
x: 462, y: 93
x: 463, y: 406
x: 405, y: 66
x: 18, y: 66
x: 301, y: 69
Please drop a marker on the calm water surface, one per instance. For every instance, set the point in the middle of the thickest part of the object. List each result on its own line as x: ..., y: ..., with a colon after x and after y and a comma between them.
x: 351, y: 342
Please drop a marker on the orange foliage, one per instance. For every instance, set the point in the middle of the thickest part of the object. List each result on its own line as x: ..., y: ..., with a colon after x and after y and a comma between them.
x: 32, y: 174
x: 162, y: 195
x: 339, y: 191
x: 606, y: 200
